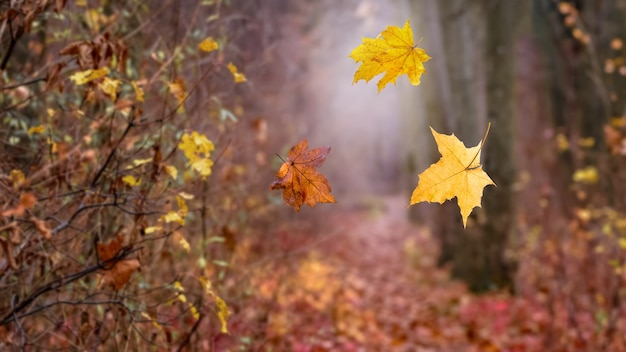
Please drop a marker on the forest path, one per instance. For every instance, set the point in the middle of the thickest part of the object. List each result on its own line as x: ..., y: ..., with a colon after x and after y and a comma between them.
x: 361, y: 277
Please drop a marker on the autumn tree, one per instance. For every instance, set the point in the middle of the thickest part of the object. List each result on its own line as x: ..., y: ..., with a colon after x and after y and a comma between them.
x: 115, y: 133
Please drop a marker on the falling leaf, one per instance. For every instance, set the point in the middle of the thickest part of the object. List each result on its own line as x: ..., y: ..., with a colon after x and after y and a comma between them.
x: 87, y: 76
x: 208, y: 45
x: 131, y: 180
x: 238, y: 76
x: 300, y: 181
x: 457, y: 174
x: 197, y: 149
x: 36, y: 130
x: 109, y: 86
x: 393, y: 52
x: 138, y: 91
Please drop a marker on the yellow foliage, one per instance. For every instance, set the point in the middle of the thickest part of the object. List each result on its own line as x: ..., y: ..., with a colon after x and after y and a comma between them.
x: 109, y: 86
x: 222, y: 308
x: 208, y: 45
x: 177, y: 216
x: 197, y: 149
x: 562, y: 144
x: 138, y: 91
x: 138, y: 162
x: 87, y: 76
x: 177, y: 88
x: 457, y: 174
x: 588, y: 175
x: 222, y: 313
x: 17, y: 178
x: 36, y: 130
x: 171, y: 170
x: 238, y: 76
x: 181, y: 241
x: 394, y: 53
x: 152, y: 229
x: 131, y: 180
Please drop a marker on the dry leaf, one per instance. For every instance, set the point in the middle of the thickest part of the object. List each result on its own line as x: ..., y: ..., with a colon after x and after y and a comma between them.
x: 42, y: 227
x: 118, y: 273
x: 300, y: 181
x: 457, y: 174
x: 393, y: 52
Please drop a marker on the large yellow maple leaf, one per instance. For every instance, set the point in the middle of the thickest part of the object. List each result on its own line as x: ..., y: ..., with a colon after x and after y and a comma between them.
x: 394, y: 52
x: 457, y: 174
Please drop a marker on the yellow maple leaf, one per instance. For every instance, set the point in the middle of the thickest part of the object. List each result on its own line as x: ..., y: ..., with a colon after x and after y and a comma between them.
x: 197, y: 148
x: 457, y: 174
x: 394, y: 52
x: 87, y: 76
x: 238, y: 76
x: 208, y: 45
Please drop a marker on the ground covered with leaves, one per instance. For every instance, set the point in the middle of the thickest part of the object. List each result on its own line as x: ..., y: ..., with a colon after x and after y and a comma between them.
x: 367, y: 280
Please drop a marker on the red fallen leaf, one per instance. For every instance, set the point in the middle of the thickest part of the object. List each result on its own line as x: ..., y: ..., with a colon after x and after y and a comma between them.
x: 300, y: 181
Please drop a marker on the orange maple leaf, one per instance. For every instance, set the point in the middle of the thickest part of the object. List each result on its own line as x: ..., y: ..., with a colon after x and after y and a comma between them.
x: 116, y: 274
x: 300, y: 181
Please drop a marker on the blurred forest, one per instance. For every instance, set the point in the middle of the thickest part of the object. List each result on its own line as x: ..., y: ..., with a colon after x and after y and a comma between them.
x: 139, y: 140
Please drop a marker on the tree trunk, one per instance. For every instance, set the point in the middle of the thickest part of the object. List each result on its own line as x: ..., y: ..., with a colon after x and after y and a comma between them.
x: 473, y: 69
